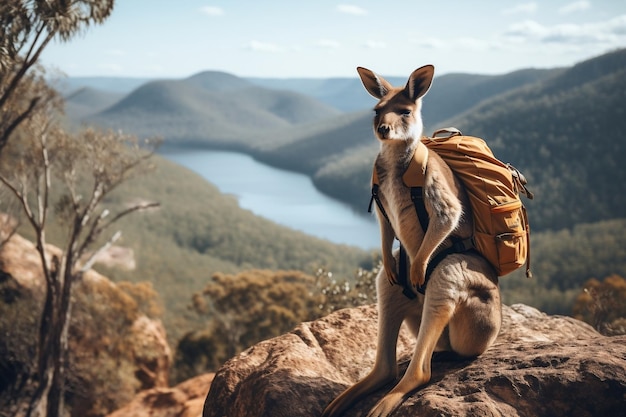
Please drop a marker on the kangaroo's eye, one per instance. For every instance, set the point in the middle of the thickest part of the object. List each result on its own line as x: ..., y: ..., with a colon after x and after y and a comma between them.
x: 405, y: 113
x: 376, y: 112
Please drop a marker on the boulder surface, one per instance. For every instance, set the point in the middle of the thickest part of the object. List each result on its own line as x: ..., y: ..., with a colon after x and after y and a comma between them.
x: 540, y: 365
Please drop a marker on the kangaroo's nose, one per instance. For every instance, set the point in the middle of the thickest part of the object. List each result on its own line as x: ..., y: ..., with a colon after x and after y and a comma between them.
x: 383, y: 130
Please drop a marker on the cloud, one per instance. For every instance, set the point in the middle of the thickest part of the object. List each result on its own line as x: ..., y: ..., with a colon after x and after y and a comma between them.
x: 526, y: 29
x: 111, y: 67
x: 473, y: 43
x: 521, y: 8
x: 577, y: 6
x: 430, y: 43
x: 115, y: 52
x: 258, y: 46
x: 464, y: 43
x: 351, y: 9
x: 375, y: 44
x: 212, y: 11
x: 328, y: 44
x: 617, y: 25
x: 612, y: 32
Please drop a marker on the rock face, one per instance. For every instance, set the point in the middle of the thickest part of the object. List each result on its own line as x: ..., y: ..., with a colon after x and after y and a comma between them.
x: 539, y: 366
x: 115, y: 350
x: 183, y: 400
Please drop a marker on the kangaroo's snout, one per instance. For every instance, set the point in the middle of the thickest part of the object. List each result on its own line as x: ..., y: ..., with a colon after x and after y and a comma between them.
x: 383, y: 131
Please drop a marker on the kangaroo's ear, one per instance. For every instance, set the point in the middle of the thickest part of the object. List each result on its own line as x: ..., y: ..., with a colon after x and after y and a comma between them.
x: 376, y: 85
x: 419, y: 82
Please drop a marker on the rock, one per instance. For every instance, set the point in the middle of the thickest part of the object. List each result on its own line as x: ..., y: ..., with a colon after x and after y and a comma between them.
x: 183, y: 400
x: 115, y: 350
x: 151, y: 352
x: 540, y: 365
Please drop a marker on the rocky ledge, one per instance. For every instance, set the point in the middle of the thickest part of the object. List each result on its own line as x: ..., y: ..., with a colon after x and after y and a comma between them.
x: 539, y: 366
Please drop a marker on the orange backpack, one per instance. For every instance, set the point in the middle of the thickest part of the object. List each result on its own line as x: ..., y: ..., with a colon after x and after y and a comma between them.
x: 501, y: 228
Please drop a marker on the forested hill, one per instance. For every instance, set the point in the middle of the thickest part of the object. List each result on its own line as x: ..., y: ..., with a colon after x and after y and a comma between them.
x: 565, y: 132
x: 567, y: 135
x: 212, y: 108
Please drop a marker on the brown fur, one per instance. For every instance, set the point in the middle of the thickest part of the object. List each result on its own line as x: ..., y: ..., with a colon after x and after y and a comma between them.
x: 462, y: 295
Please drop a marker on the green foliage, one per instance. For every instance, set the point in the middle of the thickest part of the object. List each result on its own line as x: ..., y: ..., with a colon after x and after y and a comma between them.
x: 26, y: 28
x: 563, y: 134
x: 562, y: 261
x: 346, y: 293
x: 246, y: 308
x: 104, y: 353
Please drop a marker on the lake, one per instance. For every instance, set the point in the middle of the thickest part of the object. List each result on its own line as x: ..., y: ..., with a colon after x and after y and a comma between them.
x: 285, y: 197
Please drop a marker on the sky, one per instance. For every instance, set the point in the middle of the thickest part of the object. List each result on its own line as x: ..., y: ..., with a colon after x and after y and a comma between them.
x: 325, y: 38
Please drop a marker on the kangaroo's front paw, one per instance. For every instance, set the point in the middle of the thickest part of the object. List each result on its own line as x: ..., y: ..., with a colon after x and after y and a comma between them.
x: 390, y: 270
x: 418, y: 274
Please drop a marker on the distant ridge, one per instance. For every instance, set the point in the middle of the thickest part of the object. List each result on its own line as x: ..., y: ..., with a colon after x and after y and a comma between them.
x: 120, y: 85
x: 87, y: 101
x: 217, y: 81
x: 210, y: 108
x: 566, y: 134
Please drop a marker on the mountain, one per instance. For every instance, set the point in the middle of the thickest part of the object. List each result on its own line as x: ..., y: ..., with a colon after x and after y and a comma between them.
x: 345, y: 94
x: 313, y: 146
x: 87, y: 101
x: 546, y: 122
x: 209, y: 108
x: 119, y: 85
x: 566, y: 135
x: 333, y: 144
x: 454, y: 92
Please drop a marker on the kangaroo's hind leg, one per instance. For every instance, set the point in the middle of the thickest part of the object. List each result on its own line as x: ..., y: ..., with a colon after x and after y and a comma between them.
x: 478, y: 317
x: 436, y: 315
x: 393, y: 307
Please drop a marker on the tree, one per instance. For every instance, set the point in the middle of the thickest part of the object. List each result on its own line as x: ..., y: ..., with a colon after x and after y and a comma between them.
x: 603, y: 304
x: 258, y: 304
x: 26, y: 28
x: 87, y: 166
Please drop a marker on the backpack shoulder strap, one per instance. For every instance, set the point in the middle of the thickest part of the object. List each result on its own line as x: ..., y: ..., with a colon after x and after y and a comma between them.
x: 375, y: 197
x: 415, y: 174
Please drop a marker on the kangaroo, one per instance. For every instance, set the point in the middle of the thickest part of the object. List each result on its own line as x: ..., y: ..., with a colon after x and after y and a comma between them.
x: 460, y: 310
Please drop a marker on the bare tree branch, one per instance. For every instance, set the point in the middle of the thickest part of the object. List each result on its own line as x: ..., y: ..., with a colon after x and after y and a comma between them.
x: 92, y: 259
x: 6, y: 133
